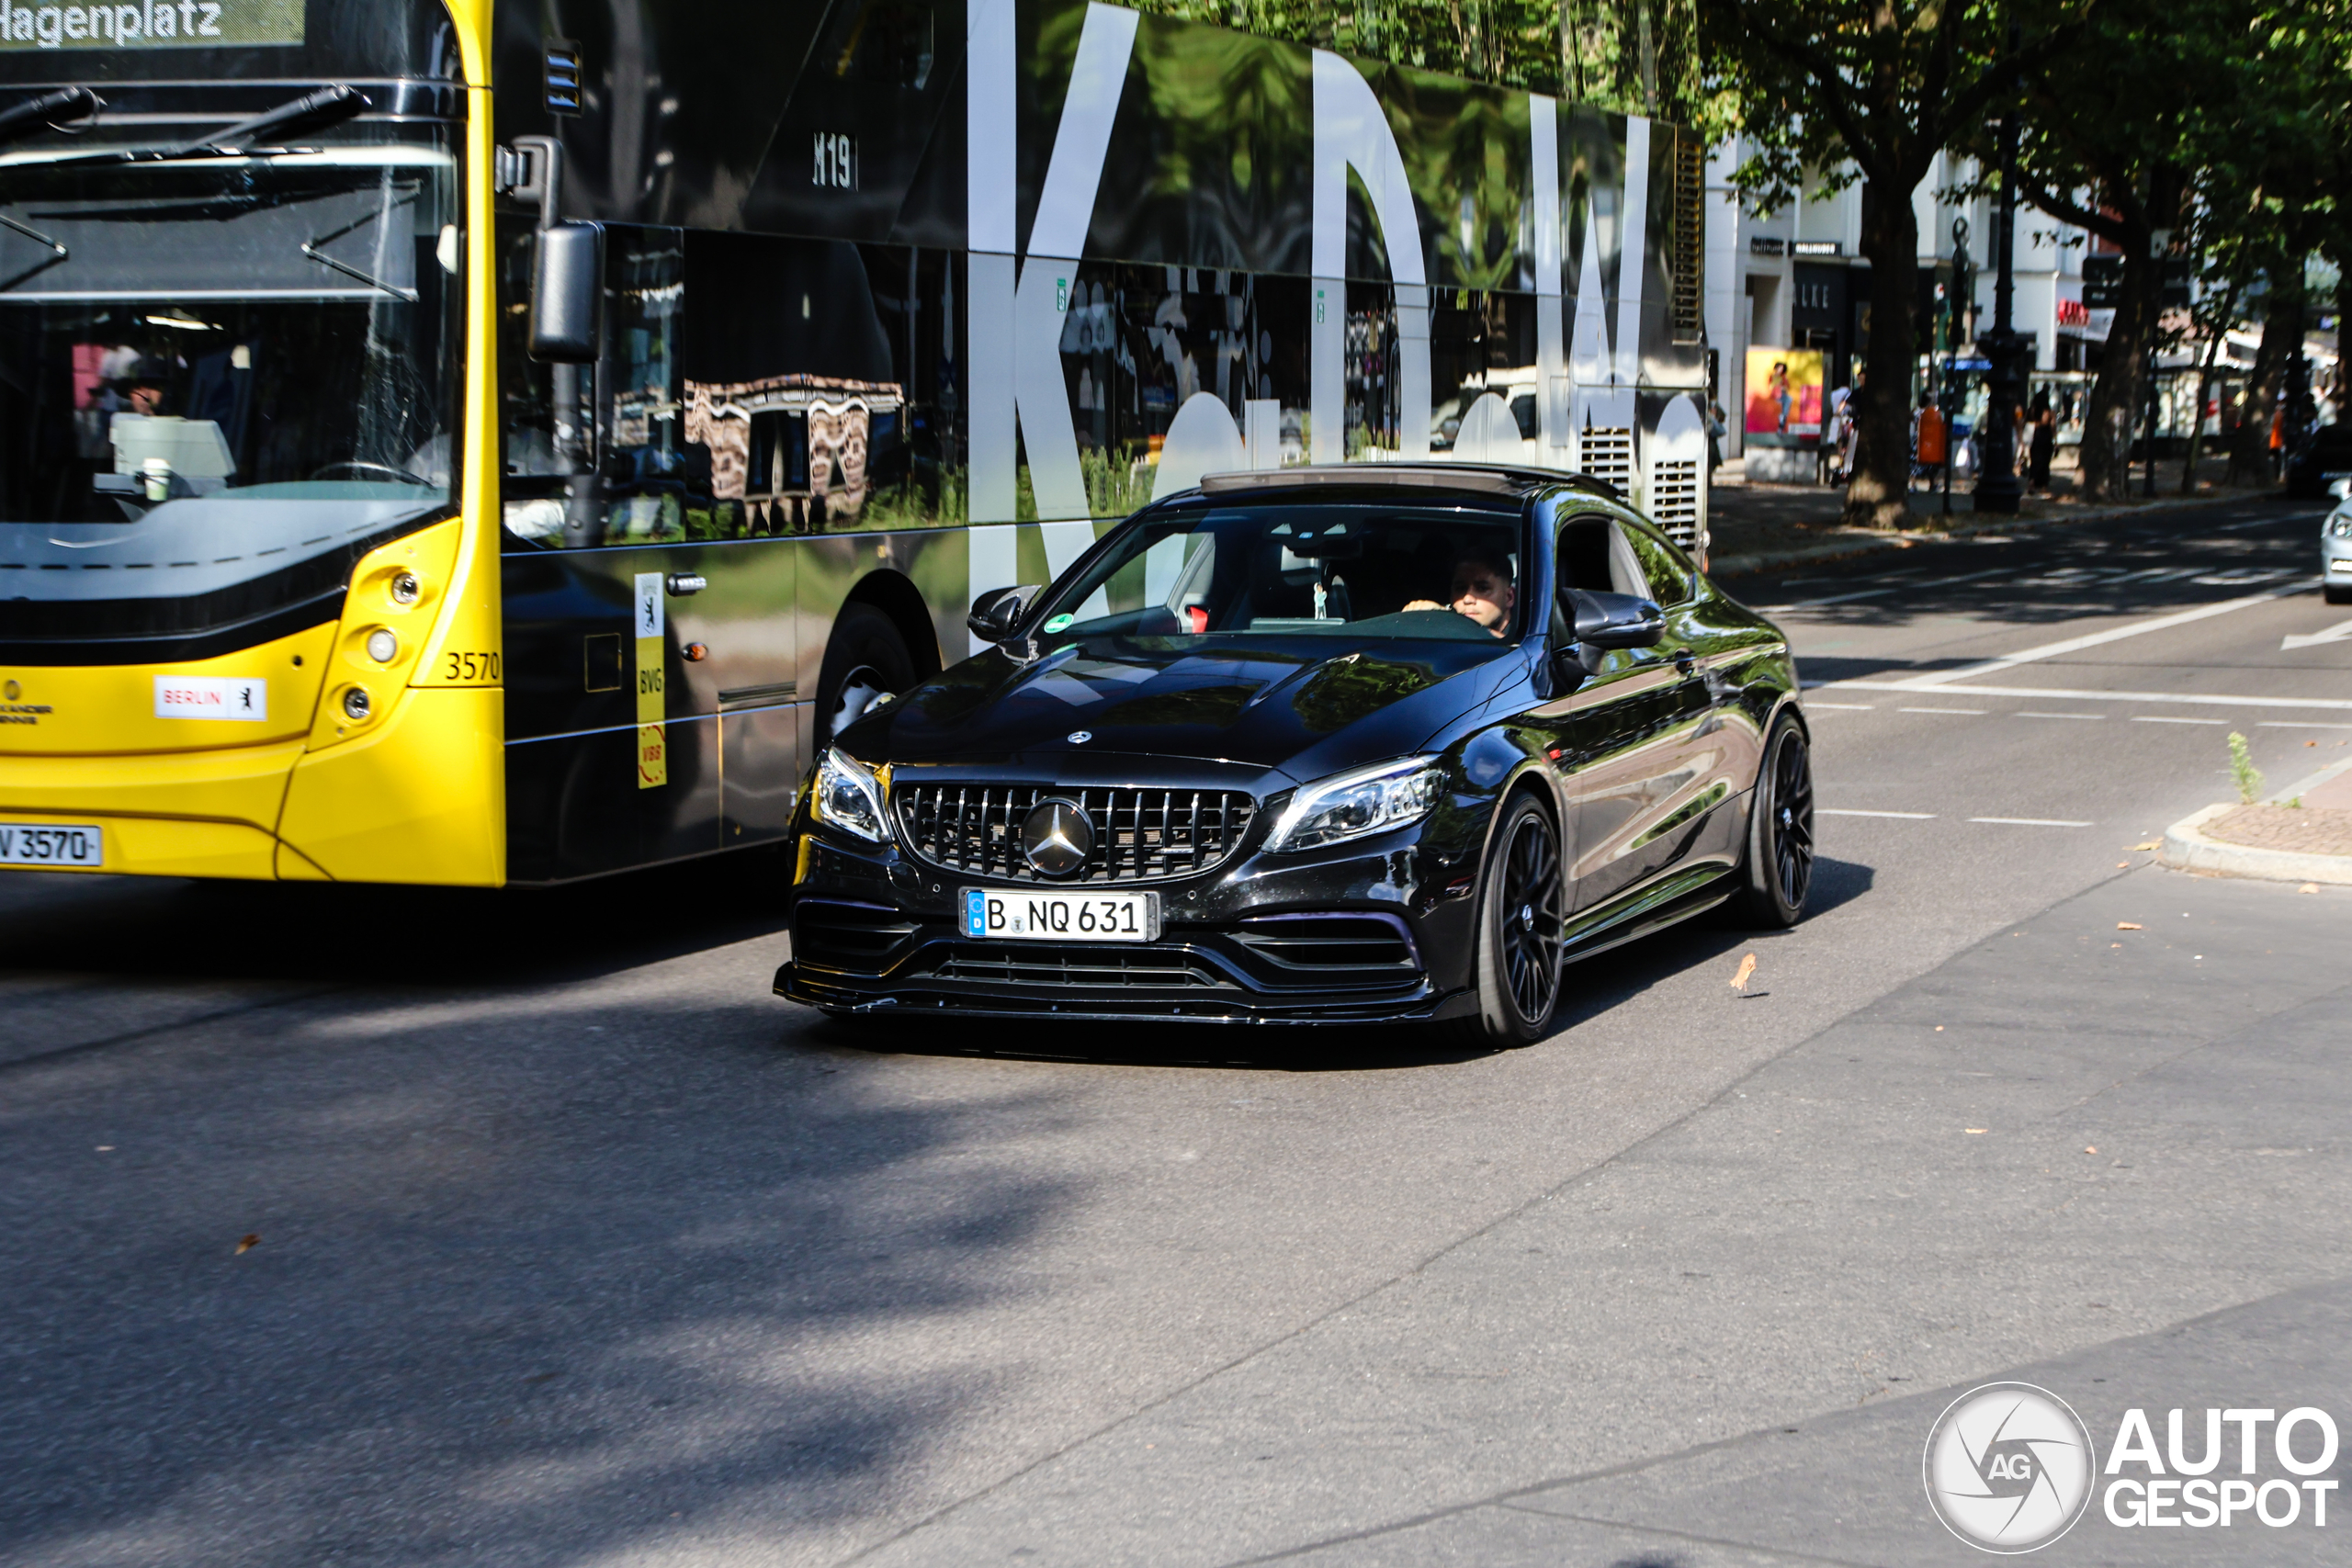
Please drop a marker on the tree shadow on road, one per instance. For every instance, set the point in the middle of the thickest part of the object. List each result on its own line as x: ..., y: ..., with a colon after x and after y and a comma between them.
x: 587, y: 1293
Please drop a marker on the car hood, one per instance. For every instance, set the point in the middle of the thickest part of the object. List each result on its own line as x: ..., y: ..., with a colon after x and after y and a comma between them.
x: 1297, y: 705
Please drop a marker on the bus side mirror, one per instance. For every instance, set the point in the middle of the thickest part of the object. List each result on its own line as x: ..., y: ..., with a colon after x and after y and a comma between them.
x: 567, y: 293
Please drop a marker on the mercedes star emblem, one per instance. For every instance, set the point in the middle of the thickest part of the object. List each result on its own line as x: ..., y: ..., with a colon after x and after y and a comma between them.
x: 1080, y: 737
x: 1056, y: 837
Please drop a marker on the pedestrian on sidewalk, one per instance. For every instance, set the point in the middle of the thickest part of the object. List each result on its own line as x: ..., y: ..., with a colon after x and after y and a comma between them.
x: 1718, y: 426
x: 2045, y: 443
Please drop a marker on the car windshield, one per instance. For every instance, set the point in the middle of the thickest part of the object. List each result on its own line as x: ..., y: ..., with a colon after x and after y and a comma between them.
x: 1352, y: 570
x: 218, y: 371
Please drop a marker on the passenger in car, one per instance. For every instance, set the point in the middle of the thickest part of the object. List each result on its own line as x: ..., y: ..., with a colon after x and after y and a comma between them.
x: 1482, y: 590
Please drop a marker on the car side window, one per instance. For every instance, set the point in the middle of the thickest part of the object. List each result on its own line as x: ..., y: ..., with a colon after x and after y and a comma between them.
x: 1593, y: 555
x: 1667, y: 569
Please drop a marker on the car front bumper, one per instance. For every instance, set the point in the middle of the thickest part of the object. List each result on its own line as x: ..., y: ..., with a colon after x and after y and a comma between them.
x: 1377, y: 932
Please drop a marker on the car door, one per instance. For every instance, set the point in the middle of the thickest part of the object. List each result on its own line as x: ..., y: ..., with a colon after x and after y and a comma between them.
x: 1716, y: 742
x: 1622, y: 738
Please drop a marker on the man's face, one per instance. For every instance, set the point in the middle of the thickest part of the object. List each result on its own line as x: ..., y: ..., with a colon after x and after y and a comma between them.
x: 1483, y: 594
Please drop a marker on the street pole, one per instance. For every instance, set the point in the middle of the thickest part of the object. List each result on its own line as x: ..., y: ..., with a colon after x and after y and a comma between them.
x: 1963, y: 286
x: 1997, y: 487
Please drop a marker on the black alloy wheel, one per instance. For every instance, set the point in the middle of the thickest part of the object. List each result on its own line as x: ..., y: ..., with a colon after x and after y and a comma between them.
x: 1779, y: 831
x: 1523, y: 905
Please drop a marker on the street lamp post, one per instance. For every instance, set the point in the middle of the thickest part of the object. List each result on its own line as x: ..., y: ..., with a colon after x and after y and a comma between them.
x: 1997, y: 488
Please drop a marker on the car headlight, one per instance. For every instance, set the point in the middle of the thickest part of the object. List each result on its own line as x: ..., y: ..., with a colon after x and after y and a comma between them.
x: 2341, y: 525
x: 848, y: 796
x: 1350, y: 804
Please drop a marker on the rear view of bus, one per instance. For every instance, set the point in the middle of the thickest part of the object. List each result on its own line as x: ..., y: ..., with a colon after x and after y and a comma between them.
x: 248, y: 623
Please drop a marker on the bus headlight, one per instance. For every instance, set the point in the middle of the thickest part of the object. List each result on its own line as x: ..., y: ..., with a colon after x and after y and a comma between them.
x: 382, y: 646
x: 356, y: 704
x: 848, y: 796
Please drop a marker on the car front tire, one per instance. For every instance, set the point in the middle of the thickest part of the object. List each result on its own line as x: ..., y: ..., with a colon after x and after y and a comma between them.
x: 1778, y: 872
x: 1522, y: 904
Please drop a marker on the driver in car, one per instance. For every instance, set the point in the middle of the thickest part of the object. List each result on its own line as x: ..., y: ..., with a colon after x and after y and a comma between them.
x: 1482, y: 590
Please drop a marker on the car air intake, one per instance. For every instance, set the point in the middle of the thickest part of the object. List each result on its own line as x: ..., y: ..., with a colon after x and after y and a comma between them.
x: 1140, y: 835
x: 833, y: 933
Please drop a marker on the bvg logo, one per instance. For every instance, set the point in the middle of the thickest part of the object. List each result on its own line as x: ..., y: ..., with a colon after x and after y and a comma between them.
x: 2008, y: 1467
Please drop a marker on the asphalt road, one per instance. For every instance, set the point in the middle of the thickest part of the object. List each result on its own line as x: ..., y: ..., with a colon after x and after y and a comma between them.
x: 578, y: 1247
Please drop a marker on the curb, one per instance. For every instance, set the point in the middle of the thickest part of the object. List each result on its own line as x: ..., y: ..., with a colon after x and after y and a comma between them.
x: 1861, y: 543
x: 2187, y: 849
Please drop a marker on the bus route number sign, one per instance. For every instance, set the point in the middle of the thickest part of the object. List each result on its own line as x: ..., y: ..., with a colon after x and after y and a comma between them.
x: 833, y: 160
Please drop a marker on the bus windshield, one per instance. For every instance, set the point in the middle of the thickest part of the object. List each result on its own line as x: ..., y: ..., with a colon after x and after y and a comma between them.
x: 221, y: 376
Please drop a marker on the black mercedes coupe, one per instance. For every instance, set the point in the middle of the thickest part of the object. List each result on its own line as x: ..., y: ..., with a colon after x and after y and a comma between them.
x: 1322, y: 745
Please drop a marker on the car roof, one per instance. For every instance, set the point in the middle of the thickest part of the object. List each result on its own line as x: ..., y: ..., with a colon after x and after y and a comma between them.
x: 1475, y: 479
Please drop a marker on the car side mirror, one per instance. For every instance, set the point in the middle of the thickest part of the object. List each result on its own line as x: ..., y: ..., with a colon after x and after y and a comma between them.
x: 567, y: 293
x: 2341, y: 490
x: 1615, y: 620
x: 997, y: 611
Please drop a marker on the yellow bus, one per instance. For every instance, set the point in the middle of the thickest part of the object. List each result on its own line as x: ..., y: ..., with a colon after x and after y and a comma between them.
x: 470, y: 444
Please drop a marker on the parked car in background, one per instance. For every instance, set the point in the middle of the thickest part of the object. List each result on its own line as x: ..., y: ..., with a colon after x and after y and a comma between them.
x: 1318, y: 745
x: 2336, y: 547
x: 2318, y: 460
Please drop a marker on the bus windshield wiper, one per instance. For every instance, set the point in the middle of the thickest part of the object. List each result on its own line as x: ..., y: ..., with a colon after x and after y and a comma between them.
x: 312, y: 111
x: 48, y: 112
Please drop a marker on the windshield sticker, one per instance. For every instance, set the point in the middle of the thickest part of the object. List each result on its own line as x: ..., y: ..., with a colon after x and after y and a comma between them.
x: 152, y: 24
x: 1058, y: 623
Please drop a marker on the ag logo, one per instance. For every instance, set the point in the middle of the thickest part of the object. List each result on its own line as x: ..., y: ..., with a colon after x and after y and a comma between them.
x: 2010, y: 1466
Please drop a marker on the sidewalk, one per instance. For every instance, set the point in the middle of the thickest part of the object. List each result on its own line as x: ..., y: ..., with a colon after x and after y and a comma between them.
x: 1764, y: 527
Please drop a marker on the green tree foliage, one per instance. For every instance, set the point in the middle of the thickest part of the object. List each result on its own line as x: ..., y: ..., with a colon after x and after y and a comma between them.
x: 1633, y: 56
x: 1872, y: 89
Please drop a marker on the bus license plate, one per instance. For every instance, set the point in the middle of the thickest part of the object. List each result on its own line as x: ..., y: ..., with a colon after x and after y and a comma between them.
x: 51, y: 843
x: 998, y: 913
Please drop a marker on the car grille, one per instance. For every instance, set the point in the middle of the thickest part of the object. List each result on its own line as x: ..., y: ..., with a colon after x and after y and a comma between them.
x: 1078, y: 966
x: 1365, y: 950
x: 1140, y: 835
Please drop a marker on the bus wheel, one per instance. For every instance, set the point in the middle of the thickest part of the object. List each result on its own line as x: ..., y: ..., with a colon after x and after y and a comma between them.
x: 865, y: 657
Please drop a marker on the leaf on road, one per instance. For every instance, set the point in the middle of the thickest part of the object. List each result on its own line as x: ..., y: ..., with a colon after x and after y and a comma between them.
x: 246, y: 1244
x: 2140, y: 849
x: 1746, y: 968
x: 2129, y: 926
x: 2308, y: 887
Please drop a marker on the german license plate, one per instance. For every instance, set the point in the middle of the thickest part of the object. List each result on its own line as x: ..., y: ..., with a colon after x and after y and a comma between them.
x: 998, y: 913
x: 51, y: 843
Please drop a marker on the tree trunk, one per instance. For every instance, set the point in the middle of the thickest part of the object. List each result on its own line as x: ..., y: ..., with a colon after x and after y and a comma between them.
x: 1876, y: 495
x: 2113, y: 418
x: 2282, y: 334
x: 2211, y: 349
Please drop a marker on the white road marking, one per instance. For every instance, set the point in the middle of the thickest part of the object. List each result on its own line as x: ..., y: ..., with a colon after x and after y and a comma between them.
x: 1972, y: 713
x: 2259, y: 724
x: 1875, y: 592
x: 2032, y: 821
x: 2160, y: 718
x: 2096, y: 640
x: 1848, y: 707
x: 1902, y: 815
x: 2029, y: 713
x: 2203, y: 699
x: 2336, y: 633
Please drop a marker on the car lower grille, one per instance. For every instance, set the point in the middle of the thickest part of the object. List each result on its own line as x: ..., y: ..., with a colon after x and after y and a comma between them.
x: 1140, y: 835
x: 1335, y: 949
x: 1077, y: 967
x: 836, y: 934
